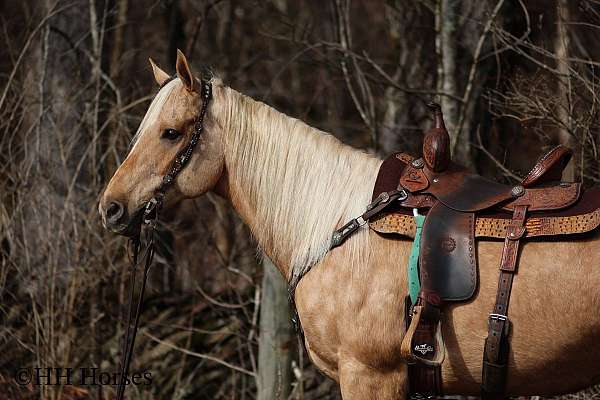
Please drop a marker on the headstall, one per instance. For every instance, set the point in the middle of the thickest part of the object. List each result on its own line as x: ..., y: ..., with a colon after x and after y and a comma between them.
x: 150, y: 220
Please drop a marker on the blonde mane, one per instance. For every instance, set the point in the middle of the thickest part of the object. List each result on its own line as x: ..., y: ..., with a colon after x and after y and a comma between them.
x: 303, y: 183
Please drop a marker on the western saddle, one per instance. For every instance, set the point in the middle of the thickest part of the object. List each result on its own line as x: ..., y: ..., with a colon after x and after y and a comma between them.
x: 459, y: 207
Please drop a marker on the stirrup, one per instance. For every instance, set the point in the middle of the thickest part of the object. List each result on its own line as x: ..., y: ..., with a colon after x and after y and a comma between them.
x: 406, y: 349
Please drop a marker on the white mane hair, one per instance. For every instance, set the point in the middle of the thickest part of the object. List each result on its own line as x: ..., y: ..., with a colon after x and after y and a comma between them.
x: 303, y: 183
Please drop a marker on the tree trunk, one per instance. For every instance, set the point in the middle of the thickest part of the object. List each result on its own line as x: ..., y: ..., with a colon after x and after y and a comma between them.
x: 118, y: 39
x: 561, y: 50
x: 56, y: 165
x: 176, y: 33
x: 393, y: 101
x: 446, y: 21
x: 276, y: 337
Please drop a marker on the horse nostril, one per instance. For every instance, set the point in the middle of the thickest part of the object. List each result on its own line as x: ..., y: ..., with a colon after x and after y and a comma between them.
x: 114, y: 212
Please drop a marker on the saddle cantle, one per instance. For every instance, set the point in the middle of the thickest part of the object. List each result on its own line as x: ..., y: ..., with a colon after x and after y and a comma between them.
x: 460, y: 207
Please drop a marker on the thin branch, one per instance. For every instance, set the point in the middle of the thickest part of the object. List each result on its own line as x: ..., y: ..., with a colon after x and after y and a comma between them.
x: 469, y: 88
x: 506, y: 171
x: 199, y: 355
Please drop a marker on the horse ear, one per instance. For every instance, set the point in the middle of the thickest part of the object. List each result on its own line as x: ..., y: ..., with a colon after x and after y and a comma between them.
x: 184, y: 72
x: 160, y: 75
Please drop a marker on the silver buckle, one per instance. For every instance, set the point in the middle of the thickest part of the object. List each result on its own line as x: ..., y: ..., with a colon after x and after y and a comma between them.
x: 498, y: 317
x: 403, y: 195
x: 382, y: 198
x: 151, y: 206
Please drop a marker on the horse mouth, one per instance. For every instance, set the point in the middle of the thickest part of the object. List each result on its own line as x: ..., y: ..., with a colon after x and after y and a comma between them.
x: 130, y: 228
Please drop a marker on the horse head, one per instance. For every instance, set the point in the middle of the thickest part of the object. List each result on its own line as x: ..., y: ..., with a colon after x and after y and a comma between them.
x: 164, y: 132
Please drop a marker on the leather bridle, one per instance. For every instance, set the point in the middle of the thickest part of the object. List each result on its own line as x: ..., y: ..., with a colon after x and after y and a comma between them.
x: 184, y: 155
x: 150, y: 220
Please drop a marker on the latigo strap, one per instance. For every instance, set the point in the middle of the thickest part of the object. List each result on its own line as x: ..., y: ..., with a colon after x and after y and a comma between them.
x: 495, y: 354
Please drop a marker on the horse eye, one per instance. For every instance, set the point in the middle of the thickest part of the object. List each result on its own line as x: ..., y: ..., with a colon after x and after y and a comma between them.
x: 171, y: 134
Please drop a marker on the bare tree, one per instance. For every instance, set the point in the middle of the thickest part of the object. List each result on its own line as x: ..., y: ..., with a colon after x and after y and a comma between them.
x: 565, y: 108
x: 446, y: 46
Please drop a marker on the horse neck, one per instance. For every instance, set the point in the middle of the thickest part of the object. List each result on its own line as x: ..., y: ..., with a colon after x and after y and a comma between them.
x: 293, y: 185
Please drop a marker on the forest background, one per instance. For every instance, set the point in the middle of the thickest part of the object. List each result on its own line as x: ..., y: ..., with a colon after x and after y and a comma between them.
x: 514, y: 77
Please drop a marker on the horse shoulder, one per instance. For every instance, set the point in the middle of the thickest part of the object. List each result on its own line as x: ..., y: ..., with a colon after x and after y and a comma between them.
x: 354, y: 309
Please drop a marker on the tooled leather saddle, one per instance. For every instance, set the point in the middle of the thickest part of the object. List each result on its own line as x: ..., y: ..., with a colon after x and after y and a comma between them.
x: 460, y: 207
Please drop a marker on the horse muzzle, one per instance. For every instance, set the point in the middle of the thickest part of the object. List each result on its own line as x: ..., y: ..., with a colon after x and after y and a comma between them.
x: 116, y: 219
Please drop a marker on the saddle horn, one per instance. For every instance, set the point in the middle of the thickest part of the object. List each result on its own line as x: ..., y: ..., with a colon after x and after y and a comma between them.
x: 436, y: 144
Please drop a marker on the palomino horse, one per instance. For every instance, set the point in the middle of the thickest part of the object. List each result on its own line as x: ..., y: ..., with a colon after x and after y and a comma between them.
x: 294, y: 185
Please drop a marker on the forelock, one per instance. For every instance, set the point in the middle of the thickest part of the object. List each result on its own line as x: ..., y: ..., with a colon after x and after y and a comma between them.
x: 155, y: 109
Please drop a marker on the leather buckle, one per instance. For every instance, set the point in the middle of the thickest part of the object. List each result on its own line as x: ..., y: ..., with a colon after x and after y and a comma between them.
x: 503, y: 319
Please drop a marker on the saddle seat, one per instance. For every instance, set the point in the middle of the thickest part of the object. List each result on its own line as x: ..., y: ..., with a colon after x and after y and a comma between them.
x: 581, y: 217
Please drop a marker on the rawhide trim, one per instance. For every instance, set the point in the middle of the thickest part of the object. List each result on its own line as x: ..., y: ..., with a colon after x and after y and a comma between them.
x: 401, y: 224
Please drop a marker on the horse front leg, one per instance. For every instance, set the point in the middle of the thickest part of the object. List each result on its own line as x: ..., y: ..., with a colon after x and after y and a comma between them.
x: 362, y: 382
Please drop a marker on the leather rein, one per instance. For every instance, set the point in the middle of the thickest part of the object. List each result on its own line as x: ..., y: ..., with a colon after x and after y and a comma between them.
x: 150, y: 220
